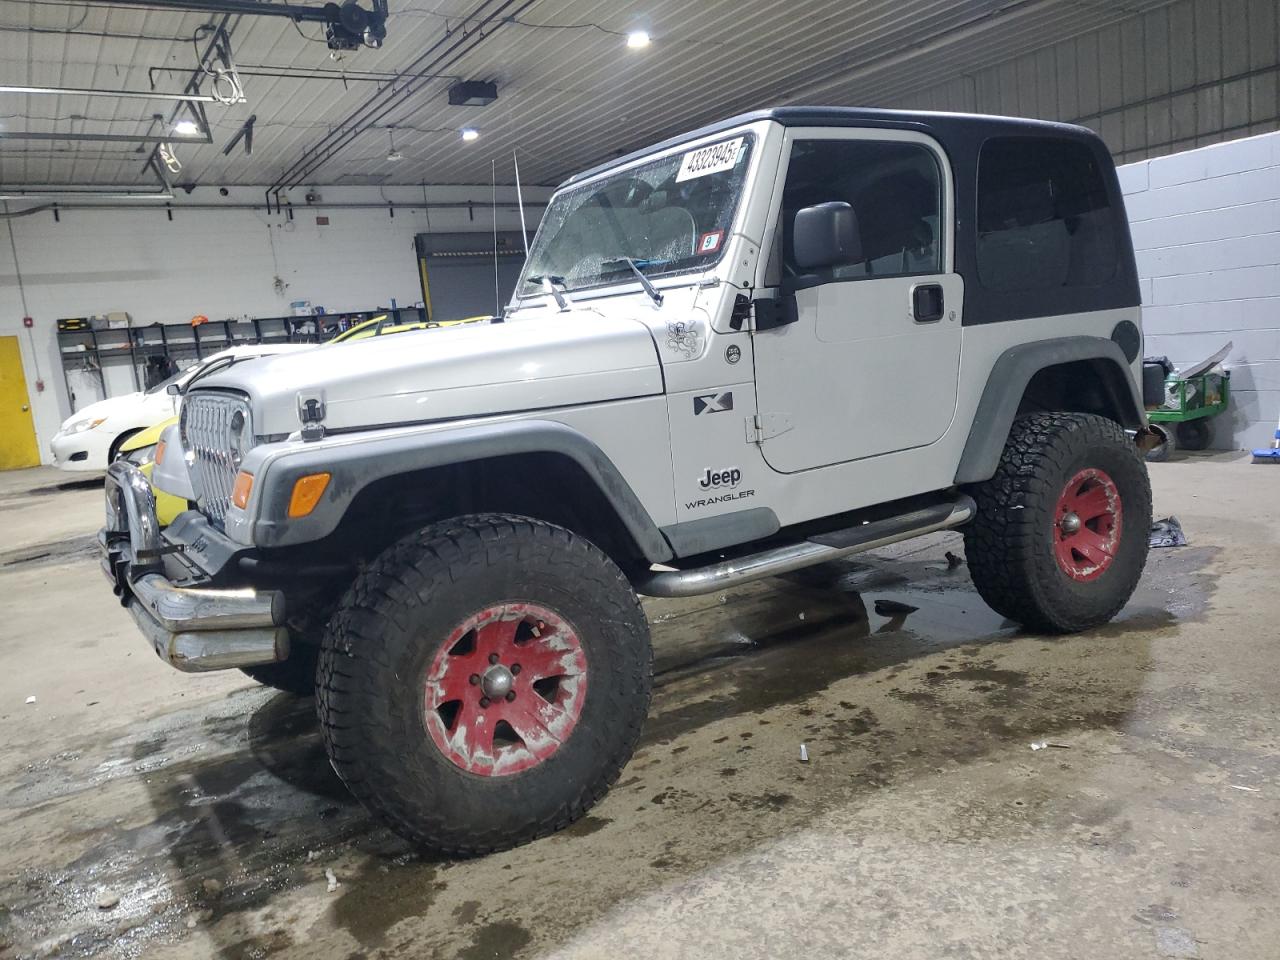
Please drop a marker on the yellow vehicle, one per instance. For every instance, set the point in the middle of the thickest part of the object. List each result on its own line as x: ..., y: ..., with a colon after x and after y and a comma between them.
x: 140, y: 450
x: 379, y: 327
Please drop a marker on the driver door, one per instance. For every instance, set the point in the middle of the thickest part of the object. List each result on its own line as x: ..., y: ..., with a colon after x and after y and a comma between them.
x: 870, y: 364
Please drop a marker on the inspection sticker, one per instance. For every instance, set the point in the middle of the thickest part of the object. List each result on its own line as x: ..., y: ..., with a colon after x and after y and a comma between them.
x: 710, y: 242
x: 704, y: 161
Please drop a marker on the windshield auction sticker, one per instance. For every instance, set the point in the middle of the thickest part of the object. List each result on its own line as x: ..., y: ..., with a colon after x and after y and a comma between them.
x: 705, y: 161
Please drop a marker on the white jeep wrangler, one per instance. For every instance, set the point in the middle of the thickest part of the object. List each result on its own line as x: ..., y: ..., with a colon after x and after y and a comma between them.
x: 775, y: 341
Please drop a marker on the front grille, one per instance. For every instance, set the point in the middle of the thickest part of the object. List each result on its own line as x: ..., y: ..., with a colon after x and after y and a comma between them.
x: 216, y: 433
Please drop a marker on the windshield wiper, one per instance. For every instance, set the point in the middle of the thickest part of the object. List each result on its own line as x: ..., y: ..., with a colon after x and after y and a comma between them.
x: 554, y: 286
x: 645, y: 282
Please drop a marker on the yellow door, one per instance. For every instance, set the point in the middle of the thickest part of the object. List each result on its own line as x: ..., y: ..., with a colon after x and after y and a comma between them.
x: 17, y: 431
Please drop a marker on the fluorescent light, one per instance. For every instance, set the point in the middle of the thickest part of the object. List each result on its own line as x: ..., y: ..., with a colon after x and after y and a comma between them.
x: 470, y: 133
x: 188, y: 128
x: 637, y: 39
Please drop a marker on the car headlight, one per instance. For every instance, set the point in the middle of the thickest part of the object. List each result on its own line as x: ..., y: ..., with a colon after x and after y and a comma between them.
x: 80, y: 426
x: 240, y: 444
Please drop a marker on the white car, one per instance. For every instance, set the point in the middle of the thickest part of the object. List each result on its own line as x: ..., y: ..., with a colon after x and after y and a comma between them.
x: 89, y: 439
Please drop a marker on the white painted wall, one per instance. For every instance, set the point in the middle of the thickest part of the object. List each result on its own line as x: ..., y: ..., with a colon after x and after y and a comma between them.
x: 220, y: 263
x: 1206, y: 231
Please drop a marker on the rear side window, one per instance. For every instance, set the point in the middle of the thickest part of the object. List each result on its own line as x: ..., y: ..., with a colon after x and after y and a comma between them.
x: 1044, y: 219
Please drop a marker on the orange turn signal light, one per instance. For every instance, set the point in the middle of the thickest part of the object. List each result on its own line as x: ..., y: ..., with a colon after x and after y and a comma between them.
x: 159, y: 457
x: 243, y: 487
x: 307, y: 492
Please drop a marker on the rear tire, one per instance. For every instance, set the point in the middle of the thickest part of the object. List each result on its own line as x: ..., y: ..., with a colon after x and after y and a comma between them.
x: 1061, y: 533
x: 1193, y: 434
x: 427, y: 712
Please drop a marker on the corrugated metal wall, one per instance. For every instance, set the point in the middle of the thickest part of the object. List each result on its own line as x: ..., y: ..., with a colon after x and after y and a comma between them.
x: 1193, y: 73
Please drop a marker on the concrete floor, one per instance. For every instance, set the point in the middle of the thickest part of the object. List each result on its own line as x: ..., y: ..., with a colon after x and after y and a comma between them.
x: 202, y: 813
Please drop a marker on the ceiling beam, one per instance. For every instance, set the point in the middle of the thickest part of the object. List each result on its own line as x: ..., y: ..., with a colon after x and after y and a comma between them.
x: 105, y: 137
x: 121, y: 94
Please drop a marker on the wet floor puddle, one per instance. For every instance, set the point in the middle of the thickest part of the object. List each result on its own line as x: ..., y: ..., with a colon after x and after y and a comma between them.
x: 235, y: 803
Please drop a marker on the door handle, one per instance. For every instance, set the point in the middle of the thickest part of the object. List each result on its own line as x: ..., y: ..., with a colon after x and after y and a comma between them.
x: 926, y: 302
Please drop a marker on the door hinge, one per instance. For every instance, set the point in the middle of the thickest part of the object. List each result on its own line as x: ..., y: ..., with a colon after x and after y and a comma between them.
x: 763, y: 426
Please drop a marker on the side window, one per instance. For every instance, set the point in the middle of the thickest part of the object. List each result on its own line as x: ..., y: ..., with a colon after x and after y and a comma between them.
x: 1044, y: 218
x: 895, y: 190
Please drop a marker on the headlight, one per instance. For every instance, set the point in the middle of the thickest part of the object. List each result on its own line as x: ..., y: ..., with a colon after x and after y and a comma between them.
x: 80, y: 426
x: 236, y: 436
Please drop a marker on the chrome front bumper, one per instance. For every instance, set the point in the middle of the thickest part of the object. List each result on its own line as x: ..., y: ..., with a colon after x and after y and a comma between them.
x: 193, y: 628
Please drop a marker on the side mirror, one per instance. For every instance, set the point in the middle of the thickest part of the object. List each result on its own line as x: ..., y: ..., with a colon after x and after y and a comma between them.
x: 826, y: 235
x: 173, y: 390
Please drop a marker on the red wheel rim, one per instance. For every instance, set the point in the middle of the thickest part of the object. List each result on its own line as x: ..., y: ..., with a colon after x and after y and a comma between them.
x: 1086, y: 525
x: 506, y: 689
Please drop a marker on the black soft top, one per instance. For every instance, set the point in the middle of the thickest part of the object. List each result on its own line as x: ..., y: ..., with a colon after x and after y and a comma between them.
x: 957, y: 132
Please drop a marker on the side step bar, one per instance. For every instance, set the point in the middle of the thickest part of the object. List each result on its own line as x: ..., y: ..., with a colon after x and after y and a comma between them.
x: 818, y: 549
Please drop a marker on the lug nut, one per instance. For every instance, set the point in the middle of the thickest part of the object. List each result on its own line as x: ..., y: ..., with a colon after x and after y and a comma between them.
x: 484, y: 701
x: 515, y: 668
x: 511, y: 695
x: 493, y: 658
x: 475, y: 679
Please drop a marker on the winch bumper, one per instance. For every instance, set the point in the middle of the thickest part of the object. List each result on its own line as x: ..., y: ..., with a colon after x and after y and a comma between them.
x: 194, y: 628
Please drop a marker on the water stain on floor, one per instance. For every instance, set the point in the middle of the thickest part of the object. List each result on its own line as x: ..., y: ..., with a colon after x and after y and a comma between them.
x: 243, y: 795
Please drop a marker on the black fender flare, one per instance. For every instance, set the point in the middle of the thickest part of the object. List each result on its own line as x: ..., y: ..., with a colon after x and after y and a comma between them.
x: 353, y: 462
x: 1008, y: 381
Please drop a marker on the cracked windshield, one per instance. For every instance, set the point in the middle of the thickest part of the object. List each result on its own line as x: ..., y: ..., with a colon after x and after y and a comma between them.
x: 667, y: 216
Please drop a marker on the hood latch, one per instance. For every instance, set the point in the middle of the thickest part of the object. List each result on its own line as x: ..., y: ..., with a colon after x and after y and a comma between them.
x: 311, y: 415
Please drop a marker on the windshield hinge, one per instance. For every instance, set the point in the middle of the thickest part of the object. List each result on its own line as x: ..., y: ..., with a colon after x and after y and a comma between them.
x: 764, y: 426
x: 311, y: 415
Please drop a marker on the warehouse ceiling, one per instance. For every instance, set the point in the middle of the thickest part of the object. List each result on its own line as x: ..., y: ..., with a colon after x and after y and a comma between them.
x: 571, y: 91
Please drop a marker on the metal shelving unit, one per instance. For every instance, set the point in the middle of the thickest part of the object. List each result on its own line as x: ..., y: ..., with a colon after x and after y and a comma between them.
x: 96, y: 348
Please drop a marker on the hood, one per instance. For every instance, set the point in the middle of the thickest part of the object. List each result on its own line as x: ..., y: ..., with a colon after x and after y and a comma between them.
x: 147, y: 437
x: 474, y: 370
x: 105, y: 409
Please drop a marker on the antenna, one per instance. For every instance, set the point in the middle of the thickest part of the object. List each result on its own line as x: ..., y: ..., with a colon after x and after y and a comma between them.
x: 524, y: 230
x: 497, y: 296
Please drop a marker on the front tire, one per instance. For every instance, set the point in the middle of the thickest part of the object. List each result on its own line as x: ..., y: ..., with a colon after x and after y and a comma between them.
x: 1061, y: 533
x: 484, y: 682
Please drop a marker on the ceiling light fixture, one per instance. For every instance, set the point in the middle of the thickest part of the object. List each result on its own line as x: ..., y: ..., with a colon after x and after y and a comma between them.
x: 186, y: 128
x: 392, y: 153
x: 470, y: 133
x: 637, y: 39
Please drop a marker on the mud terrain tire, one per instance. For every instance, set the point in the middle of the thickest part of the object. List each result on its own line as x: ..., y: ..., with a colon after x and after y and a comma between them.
x: 1061, y: 533
x: 426, y: 711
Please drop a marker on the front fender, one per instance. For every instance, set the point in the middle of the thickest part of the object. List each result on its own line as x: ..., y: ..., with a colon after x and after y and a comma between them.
x: 356, y: 460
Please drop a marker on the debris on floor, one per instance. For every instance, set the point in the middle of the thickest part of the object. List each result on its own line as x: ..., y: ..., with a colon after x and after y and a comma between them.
x: 1237, y: 786
x: 31, y: 699
x: 804, y: 753
x: 108, y: 900
x: 892, y: 608
x: 1176, y: 942
x: 1167, y: 533
x: 953, y: 561
x: 332, y: 879
x: 1045, y: 744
